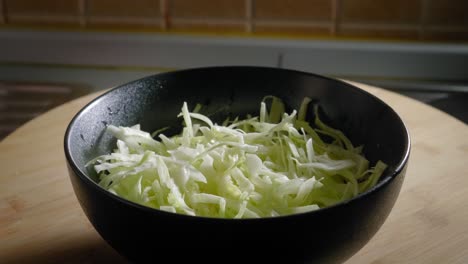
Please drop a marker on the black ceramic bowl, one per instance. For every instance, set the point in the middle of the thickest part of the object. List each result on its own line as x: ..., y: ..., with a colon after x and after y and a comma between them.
x: 329, y: 235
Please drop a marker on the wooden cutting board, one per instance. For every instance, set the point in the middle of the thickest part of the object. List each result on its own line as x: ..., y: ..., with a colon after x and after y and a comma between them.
x: 42, y: 222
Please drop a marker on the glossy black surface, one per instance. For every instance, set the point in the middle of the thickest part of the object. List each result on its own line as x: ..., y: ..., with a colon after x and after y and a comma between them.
x: 329, y: 235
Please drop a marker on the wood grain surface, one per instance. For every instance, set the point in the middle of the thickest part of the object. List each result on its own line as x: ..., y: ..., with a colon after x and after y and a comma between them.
x: 42, y: 222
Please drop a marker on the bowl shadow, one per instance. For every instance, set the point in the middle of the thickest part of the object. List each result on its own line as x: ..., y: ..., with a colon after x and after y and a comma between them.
x: 79, y: 251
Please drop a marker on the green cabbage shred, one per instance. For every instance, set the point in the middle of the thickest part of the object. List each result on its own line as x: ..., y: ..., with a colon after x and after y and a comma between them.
x: 265, y: 166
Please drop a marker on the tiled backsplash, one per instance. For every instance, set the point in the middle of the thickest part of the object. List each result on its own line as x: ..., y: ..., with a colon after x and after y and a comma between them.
x: 438, y: 20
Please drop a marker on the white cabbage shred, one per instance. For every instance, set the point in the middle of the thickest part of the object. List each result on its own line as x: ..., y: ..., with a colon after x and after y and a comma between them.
x: 266, y: 166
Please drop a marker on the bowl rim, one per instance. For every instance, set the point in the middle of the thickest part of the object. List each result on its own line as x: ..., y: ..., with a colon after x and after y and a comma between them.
x: 401, y: 166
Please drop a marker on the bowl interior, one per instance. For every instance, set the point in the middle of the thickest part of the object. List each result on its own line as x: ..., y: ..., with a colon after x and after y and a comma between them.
x: 154, y: 102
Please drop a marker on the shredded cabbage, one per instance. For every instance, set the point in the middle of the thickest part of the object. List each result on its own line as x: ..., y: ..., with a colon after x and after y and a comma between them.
x: 266, y: 166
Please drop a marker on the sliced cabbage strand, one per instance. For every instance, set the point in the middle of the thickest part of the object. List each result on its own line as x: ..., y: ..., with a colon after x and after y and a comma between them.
x: 264, y: 166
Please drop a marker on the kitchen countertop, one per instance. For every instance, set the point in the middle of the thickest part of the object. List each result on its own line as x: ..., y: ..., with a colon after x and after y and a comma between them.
x: 42, y: 222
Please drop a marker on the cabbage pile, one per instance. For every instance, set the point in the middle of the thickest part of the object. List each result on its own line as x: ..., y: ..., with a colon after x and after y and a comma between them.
x: 264, y: 166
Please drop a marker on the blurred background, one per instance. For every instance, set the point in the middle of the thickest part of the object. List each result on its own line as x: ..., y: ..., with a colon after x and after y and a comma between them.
x: 52, y: 51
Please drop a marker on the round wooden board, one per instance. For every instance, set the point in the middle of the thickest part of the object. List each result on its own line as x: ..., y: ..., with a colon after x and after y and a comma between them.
x: 42, y: 222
